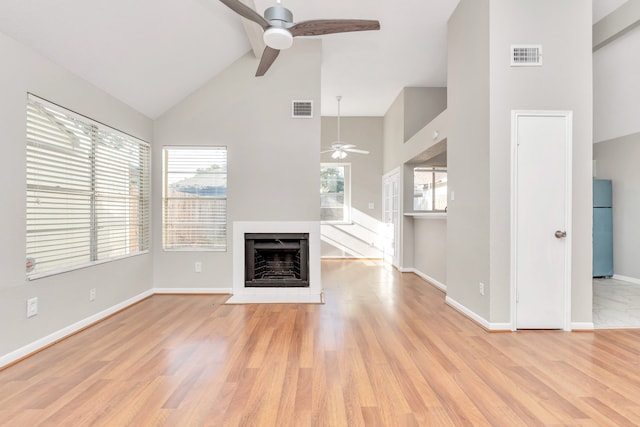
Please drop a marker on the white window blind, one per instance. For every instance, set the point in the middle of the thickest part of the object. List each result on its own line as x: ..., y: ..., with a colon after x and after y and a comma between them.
x: 87, y: 191
x: 195, y: 198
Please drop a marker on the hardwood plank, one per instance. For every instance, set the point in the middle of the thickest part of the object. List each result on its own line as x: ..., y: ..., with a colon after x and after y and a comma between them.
x: 385, y: 349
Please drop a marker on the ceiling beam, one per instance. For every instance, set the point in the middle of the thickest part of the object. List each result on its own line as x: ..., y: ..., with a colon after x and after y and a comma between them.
x: 254, y: 32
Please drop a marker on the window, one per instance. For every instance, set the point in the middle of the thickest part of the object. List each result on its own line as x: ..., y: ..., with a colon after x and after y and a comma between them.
x: 429, y: 189
x: 87, y: 191
x: 335, y: 197
x: 194, y: 209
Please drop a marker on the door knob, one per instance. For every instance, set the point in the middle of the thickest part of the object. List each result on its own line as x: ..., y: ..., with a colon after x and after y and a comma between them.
x: 560, y: 234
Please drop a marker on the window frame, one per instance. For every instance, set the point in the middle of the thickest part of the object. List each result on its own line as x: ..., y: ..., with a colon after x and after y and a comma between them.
x: 346, y: 219
x: 166, y: 199
x: 433, y: 170
x: 45, y: 176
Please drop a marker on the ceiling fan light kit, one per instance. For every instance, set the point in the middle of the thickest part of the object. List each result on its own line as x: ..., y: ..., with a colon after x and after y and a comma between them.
x: 279, y: 28
x: 278, y: 38
x: 339, y: 154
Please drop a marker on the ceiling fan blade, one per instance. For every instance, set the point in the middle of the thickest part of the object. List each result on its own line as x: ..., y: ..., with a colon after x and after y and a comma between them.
x: 268, y: 56
x: 355, y: 150
x: 327, y: 151
x: 246, y: 12
x: 319, y: 27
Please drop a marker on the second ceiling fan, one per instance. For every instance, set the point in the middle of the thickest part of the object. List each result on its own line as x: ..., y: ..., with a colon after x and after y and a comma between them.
x: 339, y: 149
x: 279, y: 28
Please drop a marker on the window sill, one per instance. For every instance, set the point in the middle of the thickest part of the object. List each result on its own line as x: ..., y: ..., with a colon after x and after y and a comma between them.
x: 35, y: 276
x: 426, y: 215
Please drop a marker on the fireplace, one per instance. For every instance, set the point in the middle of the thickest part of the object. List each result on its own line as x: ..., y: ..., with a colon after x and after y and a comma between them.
x: 276, y: 260
x: 299, y: 289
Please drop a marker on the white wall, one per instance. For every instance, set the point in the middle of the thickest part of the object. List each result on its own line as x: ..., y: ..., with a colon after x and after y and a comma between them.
x: 273, y: 160
x: 63, y: 299
x: 361, y: 238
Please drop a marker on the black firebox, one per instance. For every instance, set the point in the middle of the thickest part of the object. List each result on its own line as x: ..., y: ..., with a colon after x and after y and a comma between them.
x: 276, y: 260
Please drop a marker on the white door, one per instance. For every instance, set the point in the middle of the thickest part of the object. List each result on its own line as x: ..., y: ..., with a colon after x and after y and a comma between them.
x: 391, y: 216
x: 542, y: 219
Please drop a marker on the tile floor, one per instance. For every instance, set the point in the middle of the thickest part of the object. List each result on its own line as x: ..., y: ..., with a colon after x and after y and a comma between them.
x: 616, y: 304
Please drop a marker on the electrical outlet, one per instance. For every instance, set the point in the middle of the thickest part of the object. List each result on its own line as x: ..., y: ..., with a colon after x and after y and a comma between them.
x: 481, y: 288
x: 198, y: 267
x: 32, y: 307
x: 92, y: 294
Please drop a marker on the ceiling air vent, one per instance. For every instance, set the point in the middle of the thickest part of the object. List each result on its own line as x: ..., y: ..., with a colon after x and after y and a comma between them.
x: 526, y: 55
x: 302, y: 109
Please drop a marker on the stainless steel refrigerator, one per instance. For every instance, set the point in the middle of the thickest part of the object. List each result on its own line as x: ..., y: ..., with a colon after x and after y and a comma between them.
x: 602, y: 228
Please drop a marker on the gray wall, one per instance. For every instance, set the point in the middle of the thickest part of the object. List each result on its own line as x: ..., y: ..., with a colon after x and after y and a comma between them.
x: 273, y: 160
x: 617, y: 128
x: 421, y: 106
x: 617, y: 159
x: 564, y: 82
x: 360, y: 238
x: 616, y: 95
x: 63, y: 299
x: 468, y: 245
x: 413, y: 111
x: 393, y: 135
x: 430, y: 251
x: 483, y: 90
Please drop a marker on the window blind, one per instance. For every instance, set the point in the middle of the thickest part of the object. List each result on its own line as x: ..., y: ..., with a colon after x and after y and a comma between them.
x: 87, y: 191
x: 195, y: 198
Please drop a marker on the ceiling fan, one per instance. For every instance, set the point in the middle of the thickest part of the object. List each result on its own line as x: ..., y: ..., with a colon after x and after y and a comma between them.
x: 279, y: 28
x: 339, y: 148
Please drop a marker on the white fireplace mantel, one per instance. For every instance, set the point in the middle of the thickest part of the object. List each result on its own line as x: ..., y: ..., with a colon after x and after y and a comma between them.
x: 242, y: 295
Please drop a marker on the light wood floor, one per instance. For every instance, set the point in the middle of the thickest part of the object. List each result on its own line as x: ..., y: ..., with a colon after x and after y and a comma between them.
x: 384, y: 350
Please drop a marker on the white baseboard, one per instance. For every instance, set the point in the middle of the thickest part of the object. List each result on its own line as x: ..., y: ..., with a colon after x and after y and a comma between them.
x: 582, y: 326
x: 212, y: 291
x: 626, y: 279
x: 69, y: 330
x: 75, y: 327
x: 476, y: 318
x: 426, y: 277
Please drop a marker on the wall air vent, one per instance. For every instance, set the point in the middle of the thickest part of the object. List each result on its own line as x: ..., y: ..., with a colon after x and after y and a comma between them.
x: 526, y: 55
x: 302, y: 109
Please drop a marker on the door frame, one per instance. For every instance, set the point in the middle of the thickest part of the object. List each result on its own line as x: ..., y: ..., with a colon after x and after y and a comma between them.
x: 568, y: 115
x: 395, y: 259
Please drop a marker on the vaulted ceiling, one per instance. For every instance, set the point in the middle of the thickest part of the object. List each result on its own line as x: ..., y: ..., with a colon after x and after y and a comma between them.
x: 151, y: 54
